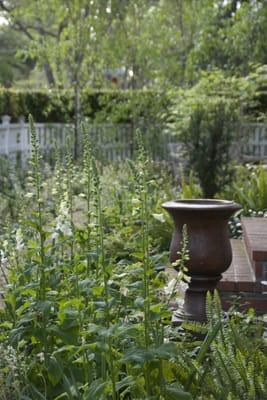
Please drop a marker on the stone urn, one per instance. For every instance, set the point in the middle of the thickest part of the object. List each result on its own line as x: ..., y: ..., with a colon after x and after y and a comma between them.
x: 210, y: 252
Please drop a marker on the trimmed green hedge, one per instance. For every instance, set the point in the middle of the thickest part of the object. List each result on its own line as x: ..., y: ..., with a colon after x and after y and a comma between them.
x: 102, y: 106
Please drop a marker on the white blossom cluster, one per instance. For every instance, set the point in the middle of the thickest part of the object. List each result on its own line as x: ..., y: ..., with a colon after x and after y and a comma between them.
x: 4, y: 252
x: 136, y: 203
x: 19, y: 240
x: 63, y: 222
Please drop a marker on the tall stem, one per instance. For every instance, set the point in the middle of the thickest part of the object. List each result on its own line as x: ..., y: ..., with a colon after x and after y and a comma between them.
x: 35, y: 161
x: 104, y: 272
x: 87, y: 163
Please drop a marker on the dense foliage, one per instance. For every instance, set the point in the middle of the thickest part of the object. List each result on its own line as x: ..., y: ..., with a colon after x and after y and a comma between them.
x: 117, y: 106
x: 138, y: 43
x: 86, y: 301
x: 207, y: 117
x: 87, y: 305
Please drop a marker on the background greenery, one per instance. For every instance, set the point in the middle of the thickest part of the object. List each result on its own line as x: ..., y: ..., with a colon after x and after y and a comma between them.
x: 158, y: 43
x: 87, y: 301
x: 87, y: 305
x: 116, y: 106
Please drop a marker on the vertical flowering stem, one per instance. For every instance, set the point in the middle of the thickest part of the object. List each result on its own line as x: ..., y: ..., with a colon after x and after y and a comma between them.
x: 142, y: 189
x: 87, y: 166
x: 180, y: 264
x: 35, y: 162
x: 69, y: 165
x: 102, y: 269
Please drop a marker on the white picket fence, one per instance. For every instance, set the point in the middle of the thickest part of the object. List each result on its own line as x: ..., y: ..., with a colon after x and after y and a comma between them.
x: 15, y: 138
x: 254, y: 142
x: 116, y: 142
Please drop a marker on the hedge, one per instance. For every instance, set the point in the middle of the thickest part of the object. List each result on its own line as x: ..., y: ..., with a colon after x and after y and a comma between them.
x: 102, y: 106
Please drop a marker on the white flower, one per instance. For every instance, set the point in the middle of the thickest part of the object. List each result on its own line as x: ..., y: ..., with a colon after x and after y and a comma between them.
x: 19, y: 240
x: 159, y: 217
x: 63, y: 223
x: 183, y: 286
x: 41, y: 356
x: 3, y: 257
x: 182, y: 277
x: 29, y: 195
x: 55, y: 235
x: 63, y: 208
x: 65, y: 228
x: 170, y: 288
x: 136, y: 202
x: 124, y: 291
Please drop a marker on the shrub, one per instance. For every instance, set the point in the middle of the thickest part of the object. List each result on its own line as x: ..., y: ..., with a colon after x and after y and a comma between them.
x: 103, y: 106
x: 249, y: 188
x: 205, y: 118
x: 87, y: 312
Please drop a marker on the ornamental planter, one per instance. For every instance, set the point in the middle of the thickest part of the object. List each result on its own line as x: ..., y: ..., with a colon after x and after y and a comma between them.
x: 209, y: 247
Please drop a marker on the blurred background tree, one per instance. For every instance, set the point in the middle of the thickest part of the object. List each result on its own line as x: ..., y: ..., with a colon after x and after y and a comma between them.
x: 12, y: 67
x: 137, y: 43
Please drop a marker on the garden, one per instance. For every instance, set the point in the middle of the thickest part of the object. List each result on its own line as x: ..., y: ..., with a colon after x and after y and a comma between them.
x: 88, y: 292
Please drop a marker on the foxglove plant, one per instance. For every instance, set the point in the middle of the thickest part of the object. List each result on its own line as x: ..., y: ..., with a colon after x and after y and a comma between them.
x: 87, y: 170
x: 97, y: 325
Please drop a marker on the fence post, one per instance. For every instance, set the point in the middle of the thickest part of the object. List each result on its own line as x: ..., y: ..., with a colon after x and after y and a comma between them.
x: 6, y: 124
x: 24, y: 146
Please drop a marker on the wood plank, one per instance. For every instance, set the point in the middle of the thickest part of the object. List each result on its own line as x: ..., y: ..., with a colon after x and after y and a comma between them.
x: 255, y: 237
x: 240, y: 276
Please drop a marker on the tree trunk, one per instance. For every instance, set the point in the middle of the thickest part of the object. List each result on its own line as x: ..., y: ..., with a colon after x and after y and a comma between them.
x: 49, y: 74
x: 77, y: 119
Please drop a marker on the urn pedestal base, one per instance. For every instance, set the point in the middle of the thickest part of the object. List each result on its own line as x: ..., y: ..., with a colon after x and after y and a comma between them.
x: 209, y: 248
x: 194, y: 308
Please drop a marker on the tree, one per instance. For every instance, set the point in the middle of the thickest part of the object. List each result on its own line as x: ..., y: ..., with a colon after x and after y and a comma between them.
x: 11, y: 66
x: 63, y: 38
x: 231, y: 36
x: 206, y: 117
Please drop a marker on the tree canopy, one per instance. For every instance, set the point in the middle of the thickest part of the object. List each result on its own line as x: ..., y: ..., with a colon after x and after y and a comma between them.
x: 136, y: 43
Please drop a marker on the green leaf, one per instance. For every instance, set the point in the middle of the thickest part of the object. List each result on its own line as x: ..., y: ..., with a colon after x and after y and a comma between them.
x: 126, y: 382
x: 156, y: 308
x: 61, y: 396
x: 32, y: 244
x: 138, y: 255
x: 37, y: 393
x: 139, y: 356
x: 97, y: 290
x: 67, y: 336
x: 139, y: 302
x: 44, y: 307
x: 175, y: 393
x: 203, y: 350
x: 54, y: 370
x: 10, y: 300
x: 96, y: 390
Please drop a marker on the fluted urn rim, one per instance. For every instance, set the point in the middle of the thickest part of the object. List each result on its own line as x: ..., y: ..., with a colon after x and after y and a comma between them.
x: 202, y: 204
